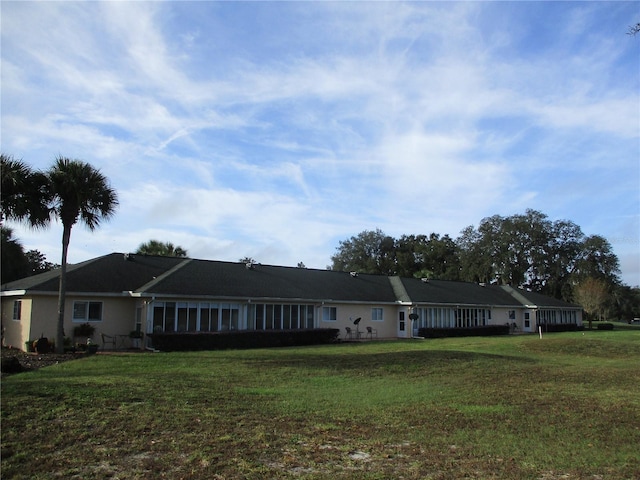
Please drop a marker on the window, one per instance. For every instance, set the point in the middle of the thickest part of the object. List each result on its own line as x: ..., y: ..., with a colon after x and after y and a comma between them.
x: 526, y: 316
x: 377, y: 315
x: 87, y: 311
x: 187, y: 316
x: 329, y: 314
x: 17, y: 310
x: 263, y: 316
x: 512, y: 314
x: 138, y: 319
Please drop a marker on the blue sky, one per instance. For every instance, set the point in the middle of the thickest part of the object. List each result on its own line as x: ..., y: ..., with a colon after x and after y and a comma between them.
x: 276, y: 129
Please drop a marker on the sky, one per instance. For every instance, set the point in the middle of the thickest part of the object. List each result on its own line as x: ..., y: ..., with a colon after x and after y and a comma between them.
x: 274, y: 130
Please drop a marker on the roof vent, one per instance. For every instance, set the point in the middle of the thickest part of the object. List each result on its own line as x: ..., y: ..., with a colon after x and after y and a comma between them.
x: 425, y: 280
x: 249, y: 265
x: 353, y: 274
x: 129, y: 257
x: 482, y: 284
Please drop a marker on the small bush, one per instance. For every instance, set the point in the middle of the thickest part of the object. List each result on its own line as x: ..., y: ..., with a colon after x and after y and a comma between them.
x: 84, y: 330
x: 11, y: 365
x: 190, y: 341
x: 42, y: 345
x: 605, y: 326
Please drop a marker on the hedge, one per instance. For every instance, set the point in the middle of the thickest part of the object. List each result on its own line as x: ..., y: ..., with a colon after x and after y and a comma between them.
x: 605, y: 326
x: 485, y: 331
x: 189, y: 341
x: 559, y: 327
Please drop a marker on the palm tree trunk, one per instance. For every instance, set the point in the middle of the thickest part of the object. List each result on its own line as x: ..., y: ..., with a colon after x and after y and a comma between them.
x: 62, y: 291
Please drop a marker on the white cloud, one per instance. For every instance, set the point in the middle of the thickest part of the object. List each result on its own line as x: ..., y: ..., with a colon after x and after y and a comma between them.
x: 328, y: 119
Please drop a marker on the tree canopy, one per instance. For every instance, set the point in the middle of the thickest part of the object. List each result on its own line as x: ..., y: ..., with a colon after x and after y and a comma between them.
x: 592, y: 294
x: 523, y: 250
x: 528, y: 250
x: 16, y: 263
x: 24, y: 193
x: 14, y: 260
x: 162, y: 249
x: 368, y: 252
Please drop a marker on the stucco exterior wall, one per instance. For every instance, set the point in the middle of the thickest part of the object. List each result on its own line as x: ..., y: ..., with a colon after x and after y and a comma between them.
x: 44, y: 317
x: 15, y: 333
x: 347, y: 313
x: 510, y: 315
x: 39, y: 318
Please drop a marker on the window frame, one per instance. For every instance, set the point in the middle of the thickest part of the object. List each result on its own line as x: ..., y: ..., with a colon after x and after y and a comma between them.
x: 375, y: 317
x: 88, y: 307
x: 332, y: 314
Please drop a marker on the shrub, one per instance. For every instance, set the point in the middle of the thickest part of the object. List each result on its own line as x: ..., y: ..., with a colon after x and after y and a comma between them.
x: 605, y: 326
x: 84, y: 330
x: 485, y: 331
x: 185, y: 341
x: 42, y: 345
x: 11, y: 365
x: 559, y: 327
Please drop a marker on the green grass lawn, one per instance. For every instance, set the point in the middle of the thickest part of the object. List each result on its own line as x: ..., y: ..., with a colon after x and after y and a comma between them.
x: 564, y: 407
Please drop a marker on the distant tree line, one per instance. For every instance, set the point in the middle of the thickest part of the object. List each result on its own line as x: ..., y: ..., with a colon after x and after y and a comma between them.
x: 524, y: 250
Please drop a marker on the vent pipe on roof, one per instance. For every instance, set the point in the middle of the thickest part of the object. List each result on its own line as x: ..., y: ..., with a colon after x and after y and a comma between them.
x: 129, y: 257
x: 249, y: 265
x: 425, y: 280
x: 354, y: 274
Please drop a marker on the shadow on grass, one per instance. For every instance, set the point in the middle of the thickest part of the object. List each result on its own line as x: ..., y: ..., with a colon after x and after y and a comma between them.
x: 406, y: 361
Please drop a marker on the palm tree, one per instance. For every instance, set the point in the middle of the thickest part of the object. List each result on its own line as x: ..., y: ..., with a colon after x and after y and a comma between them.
x: 13, y: 261
x: 162, y: 249
x: 24, y: 193
x: 79, y: 193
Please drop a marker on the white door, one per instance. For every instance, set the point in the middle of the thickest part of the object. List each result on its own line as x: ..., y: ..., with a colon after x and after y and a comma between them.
x: 402, y: 325
x: 527, y: 323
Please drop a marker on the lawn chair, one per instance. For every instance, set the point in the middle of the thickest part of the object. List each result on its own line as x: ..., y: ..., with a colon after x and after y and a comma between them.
x: 108, y: 340
x: 349, y: 333
x: 372, y: 333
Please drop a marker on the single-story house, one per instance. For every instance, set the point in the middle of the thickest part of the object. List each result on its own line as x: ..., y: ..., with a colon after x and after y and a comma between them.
x: 119, y: 293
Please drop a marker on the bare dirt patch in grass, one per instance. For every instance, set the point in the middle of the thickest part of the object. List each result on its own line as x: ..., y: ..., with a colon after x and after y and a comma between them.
x: 16, y: 361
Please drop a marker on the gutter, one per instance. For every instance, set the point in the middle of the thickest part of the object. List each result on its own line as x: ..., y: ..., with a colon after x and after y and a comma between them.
x: 13, y: 293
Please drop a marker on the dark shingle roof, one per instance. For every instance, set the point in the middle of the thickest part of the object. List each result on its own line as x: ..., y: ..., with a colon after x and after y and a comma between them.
x: 180, y: 277
x: 459, y: 293
x: 235, y: 280
x: 540, y: 300
x: 112, y: 273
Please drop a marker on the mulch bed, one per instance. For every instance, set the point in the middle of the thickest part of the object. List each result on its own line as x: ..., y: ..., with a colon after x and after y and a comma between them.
x: 16, y: 361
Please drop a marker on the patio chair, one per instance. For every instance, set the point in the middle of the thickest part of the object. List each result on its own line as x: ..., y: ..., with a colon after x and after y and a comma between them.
x: 349, y: 333
x: 372, y: 333
x: 108, y: 340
